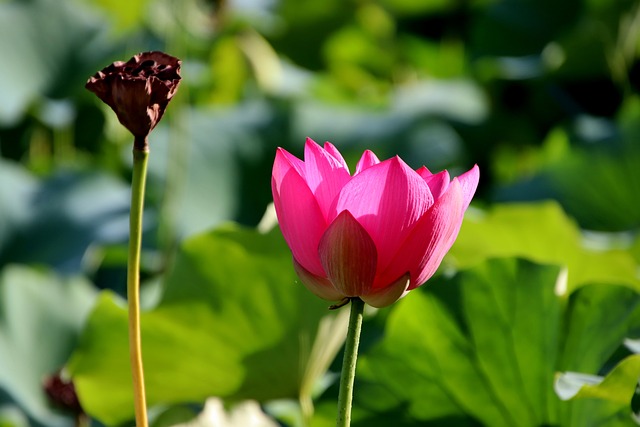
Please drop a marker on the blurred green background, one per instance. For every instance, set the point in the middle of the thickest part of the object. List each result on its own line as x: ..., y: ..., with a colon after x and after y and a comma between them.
x: 544, y: 95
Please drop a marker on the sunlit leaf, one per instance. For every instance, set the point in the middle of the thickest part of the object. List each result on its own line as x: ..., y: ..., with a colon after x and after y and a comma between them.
x: 542, y: 233
x: 485, y: 346
x: 12, y: 416
x: 618, y: 386
x: 600, y: 400
x: 233, y: 322
x: 228, y: 70
x: 442, y: 60
x: 598, y: 317
x: 124, y: 14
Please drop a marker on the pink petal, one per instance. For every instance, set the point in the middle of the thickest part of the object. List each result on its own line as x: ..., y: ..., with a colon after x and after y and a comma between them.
x: 331, y: 149
x: 389, y: 294
x: 295, y: 162
x: 320, y: 286
x: 282, y: 165
x: 301, y: 220
x: 387, y: 199
x: 325, y: 175
x: 437, y: 183
x: 428, y: 241
x: 424, y: 172
x: 367, y: 160
x: 348, y: 256
x: 469, y: 183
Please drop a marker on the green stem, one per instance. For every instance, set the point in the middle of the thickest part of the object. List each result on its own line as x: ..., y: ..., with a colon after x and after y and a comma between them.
x: 140, y: 157
x: 306, y: 409
x: 348, y: 375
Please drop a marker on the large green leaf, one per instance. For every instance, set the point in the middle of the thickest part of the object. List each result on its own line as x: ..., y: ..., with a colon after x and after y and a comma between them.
x: 594, y: 311
x: 598, y: 317
x: 63, y: 216
x: 542, y: 233
x: 617, y: 386
x: 610, y: 395
x: 455, y: 100
x: 40, y: 319
x: 600, y: 188
x: 595, y: 179
x: 233, y: 323
x: 48, y: 43
x: 485, y: 346
x: 200, y: 170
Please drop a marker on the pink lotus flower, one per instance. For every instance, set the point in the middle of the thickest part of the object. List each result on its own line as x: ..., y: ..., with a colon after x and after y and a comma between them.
x: 375, y: 235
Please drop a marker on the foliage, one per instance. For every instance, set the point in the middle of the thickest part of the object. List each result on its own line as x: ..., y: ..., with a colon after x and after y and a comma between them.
x: 525, y: 323
x: 503, y: 330
x: 232, y: 323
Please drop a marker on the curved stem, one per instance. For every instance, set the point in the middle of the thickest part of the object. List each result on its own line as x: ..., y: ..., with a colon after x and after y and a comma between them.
x: 348, y: 375
x: 140, y: 157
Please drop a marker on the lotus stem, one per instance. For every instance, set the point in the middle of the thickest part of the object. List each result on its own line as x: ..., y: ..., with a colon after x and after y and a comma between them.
x: 140, y: 157
x: 348, y: 375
